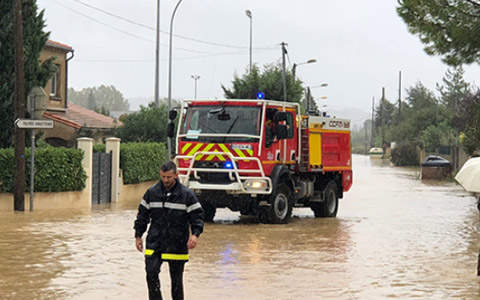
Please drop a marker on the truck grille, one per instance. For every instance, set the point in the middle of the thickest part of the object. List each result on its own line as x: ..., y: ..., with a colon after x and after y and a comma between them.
x: 212, y: 177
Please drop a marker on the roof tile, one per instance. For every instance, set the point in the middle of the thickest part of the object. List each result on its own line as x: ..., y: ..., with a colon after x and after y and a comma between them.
x: 75, y: 116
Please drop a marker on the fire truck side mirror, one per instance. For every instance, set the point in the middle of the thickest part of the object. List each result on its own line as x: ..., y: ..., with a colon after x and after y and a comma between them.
x: 281, y: 131
x: 171, y: 130
x: 172, y: 114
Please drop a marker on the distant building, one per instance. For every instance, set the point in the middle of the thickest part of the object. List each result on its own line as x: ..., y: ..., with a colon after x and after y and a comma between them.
x: 70, y: 121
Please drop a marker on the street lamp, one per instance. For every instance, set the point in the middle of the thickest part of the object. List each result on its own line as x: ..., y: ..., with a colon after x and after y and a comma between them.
x: 195, y: 77
x: 313, y: 60
x: 157, y: 56
x: 169, y: 142
x: 249, y: 15
x: 320, y: 85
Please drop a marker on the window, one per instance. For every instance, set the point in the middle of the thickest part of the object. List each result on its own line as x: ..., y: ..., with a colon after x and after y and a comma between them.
x: 226, y: 120
x: 55, y: 83
x: 290, y: 125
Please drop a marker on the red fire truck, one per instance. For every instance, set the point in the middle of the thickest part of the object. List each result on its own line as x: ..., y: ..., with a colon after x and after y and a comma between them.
x: 262, y: 157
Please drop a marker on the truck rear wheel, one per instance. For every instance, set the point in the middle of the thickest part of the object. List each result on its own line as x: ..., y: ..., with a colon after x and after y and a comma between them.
x: 280, y: 208
x: 329, y: 207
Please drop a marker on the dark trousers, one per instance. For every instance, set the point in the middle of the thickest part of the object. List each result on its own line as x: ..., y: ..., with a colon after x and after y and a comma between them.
x: 152, y: 266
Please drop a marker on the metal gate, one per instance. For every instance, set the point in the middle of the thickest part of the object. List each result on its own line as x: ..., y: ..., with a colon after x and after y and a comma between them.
x: 101, y: 178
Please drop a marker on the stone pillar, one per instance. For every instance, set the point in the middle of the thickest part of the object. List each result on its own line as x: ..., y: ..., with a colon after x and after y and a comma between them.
x: 112, y: 145
x: 86, y: 144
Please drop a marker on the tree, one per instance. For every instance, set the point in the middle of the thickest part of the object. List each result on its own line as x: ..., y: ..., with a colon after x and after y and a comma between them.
x: 147, y: 125
x: 435, y: 136
x: 269, y: 82
x: 468, y: 124
x: 454, y: 88
x: 448, y: 28
x: 102, y: 98
x: 384, y: 119
x: 420, y: 97
x: 35, y: 39
x: 420, y: 110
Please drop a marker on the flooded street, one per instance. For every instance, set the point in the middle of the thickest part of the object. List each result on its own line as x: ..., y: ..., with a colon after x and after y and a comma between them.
x: 395, y: 237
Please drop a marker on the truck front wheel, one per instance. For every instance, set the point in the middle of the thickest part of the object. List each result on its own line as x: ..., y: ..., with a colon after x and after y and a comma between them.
x: 329, y: 207
x: 209, y: 211
x: 280, y: 208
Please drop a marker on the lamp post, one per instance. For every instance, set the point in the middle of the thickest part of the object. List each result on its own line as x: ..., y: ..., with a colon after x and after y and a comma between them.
x: 157, y: 56
x: 195, y: 77
x: 249, y: 15
x: 313, y: 60
x: 309, y: 97
x: 169, y: 142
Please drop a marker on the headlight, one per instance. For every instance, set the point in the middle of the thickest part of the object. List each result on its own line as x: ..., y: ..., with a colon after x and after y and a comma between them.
x: 255, y: 184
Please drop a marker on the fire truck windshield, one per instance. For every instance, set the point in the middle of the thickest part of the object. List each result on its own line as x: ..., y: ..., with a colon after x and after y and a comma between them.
x: 222, y: 124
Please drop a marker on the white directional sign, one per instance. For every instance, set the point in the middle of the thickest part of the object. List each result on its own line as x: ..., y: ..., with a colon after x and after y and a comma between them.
x: 33, y: 124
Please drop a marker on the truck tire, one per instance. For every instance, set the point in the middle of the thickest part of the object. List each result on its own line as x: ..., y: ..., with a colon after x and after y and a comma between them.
x: 280, y: 209
x: 329, y: 207
x: 209, y: 211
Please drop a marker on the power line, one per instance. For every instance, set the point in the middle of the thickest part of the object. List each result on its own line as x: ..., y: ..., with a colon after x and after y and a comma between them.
x: 164, y: 32
x: 105, y: 24
x: 150, y: 60
x: 126, y: 32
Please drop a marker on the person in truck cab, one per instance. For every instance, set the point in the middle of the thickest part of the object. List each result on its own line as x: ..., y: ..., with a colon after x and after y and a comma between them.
x: 269, y: 128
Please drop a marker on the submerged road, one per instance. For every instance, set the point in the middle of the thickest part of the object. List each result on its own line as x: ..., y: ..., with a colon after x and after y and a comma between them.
x: 395, y: 237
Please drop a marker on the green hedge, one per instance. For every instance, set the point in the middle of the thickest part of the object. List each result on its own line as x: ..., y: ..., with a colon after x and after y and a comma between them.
x: 99, y: 148
x: 141, y: 162
x: 405, y: 154
x: 56, y: 170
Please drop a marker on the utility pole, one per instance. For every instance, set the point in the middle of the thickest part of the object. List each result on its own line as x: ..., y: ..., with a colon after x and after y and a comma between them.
x: 382, y: 120
x: 32, y: 151
x: 373, y: 122
x: 284, y: 75
x: 157, y: 57
x: 400, y: 96
x: 366, y: 136
x: 19, y: 189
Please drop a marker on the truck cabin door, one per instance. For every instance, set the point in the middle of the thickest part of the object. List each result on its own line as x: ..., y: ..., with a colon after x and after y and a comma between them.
x: 280, y: 146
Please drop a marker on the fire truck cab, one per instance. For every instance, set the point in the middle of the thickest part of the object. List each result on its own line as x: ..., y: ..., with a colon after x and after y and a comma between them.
x: 262, y: 157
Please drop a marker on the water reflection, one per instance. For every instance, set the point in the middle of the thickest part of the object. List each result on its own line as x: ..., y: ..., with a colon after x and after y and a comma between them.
x: 395, y: 237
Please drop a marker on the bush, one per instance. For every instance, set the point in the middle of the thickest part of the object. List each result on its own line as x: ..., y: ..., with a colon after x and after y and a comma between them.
x: 405, y: 154
x: 358, y: 150
x: 99, y: 148
x: 141, y: 162
x: 7, y: 171
x: 56, y: 170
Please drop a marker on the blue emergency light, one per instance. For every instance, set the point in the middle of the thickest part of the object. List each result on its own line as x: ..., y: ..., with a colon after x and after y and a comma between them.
x: 228, y: 165
x: 260, y: 95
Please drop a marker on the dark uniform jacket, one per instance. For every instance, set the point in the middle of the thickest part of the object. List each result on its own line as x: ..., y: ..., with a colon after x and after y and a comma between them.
x: 170, y: 214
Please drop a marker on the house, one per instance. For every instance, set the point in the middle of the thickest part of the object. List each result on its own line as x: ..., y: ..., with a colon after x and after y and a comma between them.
x: 70, y: 121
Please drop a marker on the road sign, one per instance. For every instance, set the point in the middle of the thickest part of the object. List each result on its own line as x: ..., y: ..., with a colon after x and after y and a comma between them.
x: 33, y: 124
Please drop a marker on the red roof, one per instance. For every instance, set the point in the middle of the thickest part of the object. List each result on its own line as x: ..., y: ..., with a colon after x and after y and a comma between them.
x: 78, y: 117
x: 58, y: 45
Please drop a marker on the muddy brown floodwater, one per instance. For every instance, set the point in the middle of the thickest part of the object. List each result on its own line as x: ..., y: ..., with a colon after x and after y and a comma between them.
x: 395, y: 237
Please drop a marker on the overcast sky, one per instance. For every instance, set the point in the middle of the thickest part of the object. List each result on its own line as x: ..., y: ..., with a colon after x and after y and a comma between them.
x: 360, y: 46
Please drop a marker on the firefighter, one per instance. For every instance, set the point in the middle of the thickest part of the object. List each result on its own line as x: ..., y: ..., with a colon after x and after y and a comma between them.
x: 172, y: 211
x: 269, y: 129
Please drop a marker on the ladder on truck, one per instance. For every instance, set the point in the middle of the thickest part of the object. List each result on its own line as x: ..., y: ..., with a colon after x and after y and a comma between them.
x: 304, y: 151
